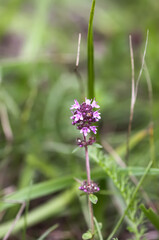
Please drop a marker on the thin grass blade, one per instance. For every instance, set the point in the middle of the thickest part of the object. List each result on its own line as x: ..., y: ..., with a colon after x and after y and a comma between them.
x: 47, y: 232
x: 53, y: 207
x: 90, y: 52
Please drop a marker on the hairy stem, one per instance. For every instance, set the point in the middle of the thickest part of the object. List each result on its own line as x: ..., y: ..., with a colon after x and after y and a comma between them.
x: 89, y: 182
x: 87, y: 163
x: 91, y: 215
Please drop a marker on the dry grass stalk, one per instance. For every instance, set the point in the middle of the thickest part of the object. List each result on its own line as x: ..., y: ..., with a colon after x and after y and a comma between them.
x: 134, y: 86
x: 23, y: 204
x: 76, y: 68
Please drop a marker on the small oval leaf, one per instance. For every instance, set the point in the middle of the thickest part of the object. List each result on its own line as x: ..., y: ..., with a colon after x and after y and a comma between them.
x: 93, y: 198
x: 87, y: 235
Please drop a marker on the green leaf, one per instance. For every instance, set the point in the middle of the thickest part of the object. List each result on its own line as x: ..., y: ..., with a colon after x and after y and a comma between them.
x: 138, y: 171
x: 151, y: 215
x: 93, y: 198
x: 47, y: 232
x: 76, y: 149
x: 87, y: 235
x: 37, y: 190
x: 44, y: 167
x: 90, y: 52
x: 97, y: 145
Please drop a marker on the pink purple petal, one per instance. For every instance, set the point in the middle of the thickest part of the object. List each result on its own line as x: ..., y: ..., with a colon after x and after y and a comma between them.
x: 76, y: 105
x: 87, y: 101
x: 93, y: 129
x: 94, y: 104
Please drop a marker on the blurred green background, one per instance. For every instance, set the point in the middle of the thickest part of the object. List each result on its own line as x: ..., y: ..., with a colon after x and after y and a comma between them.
x: 38, y: 45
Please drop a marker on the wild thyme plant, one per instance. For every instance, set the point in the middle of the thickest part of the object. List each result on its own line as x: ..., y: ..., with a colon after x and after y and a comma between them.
x: 84, y: 117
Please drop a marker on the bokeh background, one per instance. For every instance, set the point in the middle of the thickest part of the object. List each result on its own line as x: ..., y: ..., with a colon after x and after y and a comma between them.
x: 38, y: 46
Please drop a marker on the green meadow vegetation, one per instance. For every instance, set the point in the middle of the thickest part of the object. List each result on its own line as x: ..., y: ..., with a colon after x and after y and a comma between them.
x: 55, y: 51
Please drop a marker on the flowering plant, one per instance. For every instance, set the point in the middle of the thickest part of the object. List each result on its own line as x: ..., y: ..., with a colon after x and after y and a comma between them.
x: 84, y: 117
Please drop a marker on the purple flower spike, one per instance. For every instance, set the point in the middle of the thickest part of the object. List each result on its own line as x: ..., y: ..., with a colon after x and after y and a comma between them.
x: 84, y: 116
x: 94, y: 104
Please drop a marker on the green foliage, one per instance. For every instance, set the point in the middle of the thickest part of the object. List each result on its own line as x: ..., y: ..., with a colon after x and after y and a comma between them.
x: 90, y: 53
x: 97, y: 145
x: 98, y: 227
x: 87, y: 235
x: 53, y: 207
x: 48, y: 232
x: 151, y: 215
x: 37, y: 190
x: 126, y: 189
x: 93, y: 198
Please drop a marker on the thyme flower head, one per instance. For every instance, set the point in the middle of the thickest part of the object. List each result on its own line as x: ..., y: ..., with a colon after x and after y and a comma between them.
x: 85, y: 115
x: 89, y: 188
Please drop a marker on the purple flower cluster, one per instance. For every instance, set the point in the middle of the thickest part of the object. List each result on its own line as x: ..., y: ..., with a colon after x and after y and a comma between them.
x: 83, y: 143
x: 89, y: 188
x: 84, y: 116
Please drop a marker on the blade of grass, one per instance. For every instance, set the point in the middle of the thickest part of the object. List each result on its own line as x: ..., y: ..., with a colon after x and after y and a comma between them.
x: 133, y: 141
x: 151, y: 215
x: 45, y: 168
x: 134, y: 89
x: 53, y: 207
x: 138, y: 171
x: 37, y: 190
x: 48, y: 231
x: 90, y: 52
x: 33, y: 43
x: 8, y: 233
x: 151, y: 131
